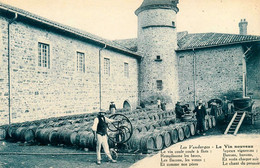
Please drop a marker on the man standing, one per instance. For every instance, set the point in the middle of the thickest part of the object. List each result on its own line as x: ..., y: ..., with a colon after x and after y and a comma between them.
x: 225, y: 108
x: 100, y: 133
x: 112, y: 108
x: 158, y: 103
x: 200, y: 111
x: 178, y: 110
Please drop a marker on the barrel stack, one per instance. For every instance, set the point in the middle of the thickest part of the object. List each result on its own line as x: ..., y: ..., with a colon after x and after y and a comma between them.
x: 153, y: 130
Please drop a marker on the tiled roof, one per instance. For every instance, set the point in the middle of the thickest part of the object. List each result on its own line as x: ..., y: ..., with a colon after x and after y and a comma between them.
x: 200, y: 40
x: 153, y: 4
x: 203, y: 40
x: 66, y: 28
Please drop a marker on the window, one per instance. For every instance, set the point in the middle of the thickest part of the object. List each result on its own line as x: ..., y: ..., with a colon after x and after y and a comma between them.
x: 44, y: 55
x: 107, y: 66
x: 80, y: 62
x: 126, y: 70
x: 159, y: 84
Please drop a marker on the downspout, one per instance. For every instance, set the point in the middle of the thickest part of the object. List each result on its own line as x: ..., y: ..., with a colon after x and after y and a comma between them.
x: 100, y: 77
x: 245, y: 72
x: 194, y: 75
x: 9, y: 65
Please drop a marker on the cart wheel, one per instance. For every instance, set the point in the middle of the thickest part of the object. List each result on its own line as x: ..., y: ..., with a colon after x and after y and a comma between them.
x: 113, y: 154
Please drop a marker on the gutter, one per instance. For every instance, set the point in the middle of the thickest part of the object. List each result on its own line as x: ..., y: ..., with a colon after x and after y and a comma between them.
x: 194, y: 75
x: 9, y: 65
x: 245, y: 72
x: 100, y: 77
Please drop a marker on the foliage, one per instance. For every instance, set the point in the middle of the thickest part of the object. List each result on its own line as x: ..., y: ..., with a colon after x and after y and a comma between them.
x: 232, y: 94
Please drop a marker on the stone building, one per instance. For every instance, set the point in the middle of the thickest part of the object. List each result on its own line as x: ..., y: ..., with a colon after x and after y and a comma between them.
x: 48, y: 69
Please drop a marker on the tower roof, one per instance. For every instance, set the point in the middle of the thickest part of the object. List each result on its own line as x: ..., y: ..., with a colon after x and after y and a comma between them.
x: 158, y: 4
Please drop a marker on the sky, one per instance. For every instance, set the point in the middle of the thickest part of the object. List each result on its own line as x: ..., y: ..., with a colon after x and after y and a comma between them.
x: 115, y: 19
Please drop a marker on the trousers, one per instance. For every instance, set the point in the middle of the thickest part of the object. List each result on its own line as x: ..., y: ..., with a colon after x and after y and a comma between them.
x: 102, y: 141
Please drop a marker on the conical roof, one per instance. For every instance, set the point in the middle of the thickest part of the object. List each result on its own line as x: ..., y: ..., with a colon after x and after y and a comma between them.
x: 155, y: 4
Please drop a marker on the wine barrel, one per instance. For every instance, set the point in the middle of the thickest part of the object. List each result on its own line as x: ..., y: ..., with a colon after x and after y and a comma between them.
x: 192, y: 129
x: 210, y: 122
x: 24, y: 134
x: 166, y: 138
x: 158, y: 139
x: 11, y: 131
x: 90, y: 141
x: 42, y: 135
x: 147, y: 143
x: 186, y: 130
x: 134, y: 142
x: 162, y: 123
x: 86, y: 140
x: 213, y: 119
x: 174, y: 135
x: 206, y: 125
x: 2, y: 133
x: 180, y: 133
x: 64, y: 136
x: 54, y: 137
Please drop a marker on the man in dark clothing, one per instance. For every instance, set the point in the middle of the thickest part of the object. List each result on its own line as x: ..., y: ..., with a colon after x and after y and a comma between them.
x: 225, y: 107
x: 112, y: 108
x: 178, y: 110
x: 100, y: 135
x: 200, y: 111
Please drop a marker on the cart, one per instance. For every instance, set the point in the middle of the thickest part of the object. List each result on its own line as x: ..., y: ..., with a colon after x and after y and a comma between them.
x: 246, y: 105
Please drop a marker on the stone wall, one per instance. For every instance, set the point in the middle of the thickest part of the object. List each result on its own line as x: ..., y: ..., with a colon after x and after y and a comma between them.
x: 4, y: 95
x: 218, y: 70
x: 38, y: 92
x: 253, y: 75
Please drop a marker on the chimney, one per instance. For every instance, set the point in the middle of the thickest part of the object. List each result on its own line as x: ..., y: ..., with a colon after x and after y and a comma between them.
x: 243, y: 27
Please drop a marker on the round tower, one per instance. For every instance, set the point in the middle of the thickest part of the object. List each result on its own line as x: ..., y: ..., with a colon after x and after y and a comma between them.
x: 157, y: 42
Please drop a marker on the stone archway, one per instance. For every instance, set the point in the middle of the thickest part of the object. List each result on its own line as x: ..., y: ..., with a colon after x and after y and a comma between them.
x: 126, y: 105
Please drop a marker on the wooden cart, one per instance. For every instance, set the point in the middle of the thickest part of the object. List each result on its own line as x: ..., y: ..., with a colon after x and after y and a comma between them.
x: 242, y: 109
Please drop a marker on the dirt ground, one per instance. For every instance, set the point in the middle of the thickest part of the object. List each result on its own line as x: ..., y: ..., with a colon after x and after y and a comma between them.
x: 20, y: 155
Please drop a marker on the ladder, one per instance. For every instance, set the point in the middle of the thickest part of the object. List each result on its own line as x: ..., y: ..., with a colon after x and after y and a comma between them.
x: 235, y: 122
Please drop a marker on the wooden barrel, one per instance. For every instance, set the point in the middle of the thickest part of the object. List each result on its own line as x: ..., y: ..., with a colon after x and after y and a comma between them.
x: 186, y: 130
x: 2, y: 134
x: 24, y: 134
x: 42, y: 135
x: 158, y: 140
x: 90, y: 141
x: 213, y: 120
x: 192, y: 129
x: 64, y: 136
x: 180, y: 133
x: 206, y: 125
x: 162, y: 123
x: 166, y: 138
x: 210, y: 122
x: 54, y: 137
x: 86, y: 140
x: 11, y: 131
x: 134, y: 142
x: 174, y: 135
x: 147, y: 143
